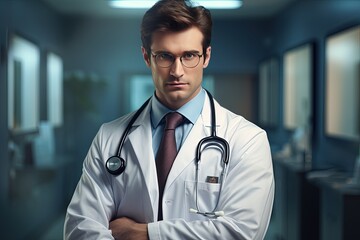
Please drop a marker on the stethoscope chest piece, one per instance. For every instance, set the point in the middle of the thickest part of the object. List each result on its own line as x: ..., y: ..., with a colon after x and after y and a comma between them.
x: 115, y: 165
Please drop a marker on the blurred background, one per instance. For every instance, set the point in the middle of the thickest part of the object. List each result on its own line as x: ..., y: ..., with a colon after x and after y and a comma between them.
x: 290, y: 66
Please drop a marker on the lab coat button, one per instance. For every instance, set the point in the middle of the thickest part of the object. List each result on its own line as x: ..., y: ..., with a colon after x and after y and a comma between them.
x: 168, y: 202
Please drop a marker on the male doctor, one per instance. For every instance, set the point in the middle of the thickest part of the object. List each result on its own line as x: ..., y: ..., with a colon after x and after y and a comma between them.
x: 234, y: 203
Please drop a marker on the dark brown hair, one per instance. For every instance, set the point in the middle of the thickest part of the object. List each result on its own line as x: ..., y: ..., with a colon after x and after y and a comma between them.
x: 175, y: 16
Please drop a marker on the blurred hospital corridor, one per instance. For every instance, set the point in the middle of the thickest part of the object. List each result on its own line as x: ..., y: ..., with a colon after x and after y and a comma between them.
x: 292, y: 67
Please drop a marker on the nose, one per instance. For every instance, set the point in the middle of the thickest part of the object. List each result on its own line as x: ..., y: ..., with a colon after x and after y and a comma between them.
x: 177, y: 69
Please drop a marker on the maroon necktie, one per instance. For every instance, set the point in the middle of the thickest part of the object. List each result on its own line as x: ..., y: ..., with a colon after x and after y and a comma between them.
x: 167, y: 152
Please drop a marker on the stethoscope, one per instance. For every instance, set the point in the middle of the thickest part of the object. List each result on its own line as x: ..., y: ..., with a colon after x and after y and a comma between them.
x: 116, y: 165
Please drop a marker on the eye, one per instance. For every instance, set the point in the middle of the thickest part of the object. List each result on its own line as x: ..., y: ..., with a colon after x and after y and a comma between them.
x: 189, y: 56
x: 165, y: 57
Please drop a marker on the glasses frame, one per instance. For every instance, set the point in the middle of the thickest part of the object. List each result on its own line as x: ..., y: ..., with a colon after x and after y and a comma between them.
x: 154, y: 55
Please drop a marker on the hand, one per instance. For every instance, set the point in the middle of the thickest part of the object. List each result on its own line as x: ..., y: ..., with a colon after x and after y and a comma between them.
x: 127, y: 229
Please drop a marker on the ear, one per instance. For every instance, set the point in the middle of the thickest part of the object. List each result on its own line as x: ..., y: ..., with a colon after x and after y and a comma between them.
x: 208, y: 56
x: 146, y: 57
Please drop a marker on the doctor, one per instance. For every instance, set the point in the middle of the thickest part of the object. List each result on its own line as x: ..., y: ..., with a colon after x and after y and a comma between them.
x: 227, y: 201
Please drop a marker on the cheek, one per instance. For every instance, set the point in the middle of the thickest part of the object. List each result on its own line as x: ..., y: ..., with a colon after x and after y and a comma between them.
x: 198, y: 75
x: 158, y: 77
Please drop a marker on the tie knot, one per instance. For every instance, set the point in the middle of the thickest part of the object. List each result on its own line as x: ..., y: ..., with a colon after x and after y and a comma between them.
x: 173, y: 120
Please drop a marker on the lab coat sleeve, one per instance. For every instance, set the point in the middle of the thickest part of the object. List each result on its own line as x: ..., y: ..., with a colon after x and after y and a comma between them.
x: 246, y: 198
x: 89, y: 211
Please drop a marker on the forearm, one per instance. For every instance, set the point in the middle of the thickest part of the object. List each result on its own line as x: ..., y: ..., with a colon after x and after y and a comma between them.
x: 126, y: 229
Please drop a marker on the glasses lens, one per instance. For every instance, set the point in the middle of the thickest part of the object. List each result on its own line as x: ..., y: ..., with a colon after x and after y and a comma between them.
x: 164, y: 60
x: 190, y: 60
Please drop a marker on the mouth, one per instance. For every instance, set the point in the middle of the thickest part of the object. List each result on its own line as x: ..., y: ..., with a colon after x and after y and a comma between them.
x: 176, y: 84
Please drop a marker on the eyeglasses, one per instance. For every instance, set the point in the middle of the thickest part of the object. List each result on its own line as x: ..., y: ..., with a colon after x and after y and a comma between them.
x: 188, y: 59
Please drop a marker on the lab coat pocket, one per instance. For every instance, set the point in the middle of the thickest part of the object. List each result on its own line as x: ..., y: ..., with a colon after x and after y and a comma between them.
x: 207, y: 197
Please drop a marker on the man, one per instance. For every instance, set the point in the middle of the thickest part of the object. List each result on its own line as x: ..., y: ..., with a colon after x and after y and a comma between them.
x: 195, y: 199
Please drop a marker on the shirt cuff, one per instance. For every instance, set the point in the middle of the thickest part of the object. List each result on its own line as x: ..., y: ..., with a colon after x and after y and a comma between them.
x: 154, y: 231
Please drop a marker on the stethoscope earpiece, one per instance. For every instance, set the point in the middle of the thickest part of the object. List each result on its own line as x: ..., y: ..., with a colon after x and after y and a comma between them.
x: 115, y: 165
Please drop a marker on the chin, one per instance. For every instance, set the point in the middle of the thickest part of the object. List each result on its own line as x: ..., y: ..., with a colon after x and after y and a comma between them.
x: 179, y: 99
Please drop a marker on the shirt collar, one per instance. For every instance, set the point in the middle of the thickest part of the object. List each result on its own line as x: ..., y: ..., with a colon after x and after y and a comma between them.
x: 191, y: 110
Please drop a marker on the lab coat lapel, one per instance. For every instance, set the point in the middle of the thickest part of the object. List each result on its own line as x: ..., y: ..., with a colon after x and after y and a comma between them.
x: 186, y: 154
x: 141, y: 141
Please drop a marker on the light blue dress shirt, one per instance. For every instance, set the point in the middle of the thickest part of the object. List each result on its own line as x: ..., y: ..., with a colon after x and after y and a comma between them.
x: 191, y: 111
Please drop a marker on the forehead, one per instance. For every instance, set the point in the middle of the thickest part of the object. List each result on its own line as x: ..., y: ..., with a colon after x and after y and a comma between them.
x: 177, y: 42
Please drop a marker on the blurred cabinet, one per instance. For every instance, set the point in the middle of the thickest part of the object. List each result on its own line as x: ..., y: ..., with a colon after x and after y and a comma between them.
x: 296, y: 206
x: 339, y: 207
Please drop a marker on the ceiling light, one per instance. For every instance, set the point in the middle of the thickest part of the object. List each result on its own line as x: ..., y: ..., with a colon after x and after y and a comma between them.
x: 211, y: 4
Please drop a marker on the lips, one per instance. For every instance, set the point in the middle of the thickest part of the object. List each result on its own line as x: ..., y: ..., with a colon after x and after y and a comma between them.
x: 176, y: 84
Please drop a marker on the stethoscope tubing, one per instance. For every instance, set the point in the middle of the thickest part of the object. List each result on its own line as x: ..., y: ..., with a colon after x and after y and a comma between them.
x: 112, y: 161
x: 116, y: 165
x: 129, y: 126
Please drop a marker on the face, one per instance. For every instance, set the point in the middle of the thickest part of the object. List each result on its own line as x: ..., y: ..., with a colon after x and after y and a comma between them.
x: 177, y: 84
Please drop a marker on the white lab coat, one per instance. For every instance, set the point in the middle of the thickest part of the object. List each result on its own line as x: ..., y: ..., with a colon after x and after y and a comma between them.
x: 246, y: 196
